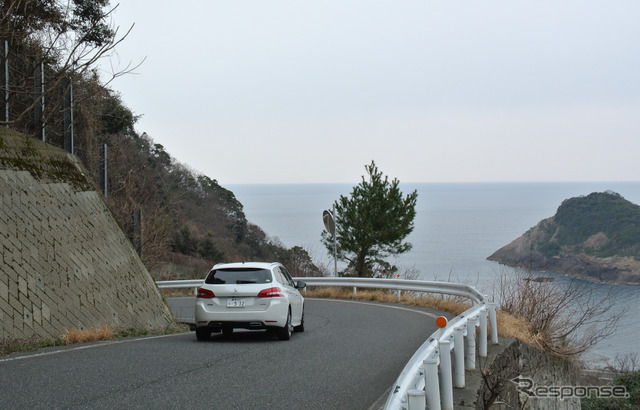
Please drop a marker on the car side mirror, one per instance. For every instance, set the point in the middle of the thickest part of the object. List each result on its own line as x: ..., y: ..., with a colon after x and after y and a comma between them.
x: 300, y: 285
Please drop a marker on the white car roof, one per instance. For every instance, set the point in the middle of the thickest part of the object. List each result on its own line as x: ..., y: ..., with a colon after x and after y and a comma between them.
x: 254, y: 265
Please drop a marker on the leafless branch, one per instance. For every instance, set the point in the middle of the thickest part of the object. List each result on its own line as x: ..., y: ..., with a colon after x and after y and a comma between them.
x: 566, y: 320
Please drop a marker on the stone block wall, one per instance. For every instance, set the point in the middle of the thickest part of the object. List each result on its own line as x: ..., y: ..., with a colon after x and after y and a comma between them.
x: 65, y: 263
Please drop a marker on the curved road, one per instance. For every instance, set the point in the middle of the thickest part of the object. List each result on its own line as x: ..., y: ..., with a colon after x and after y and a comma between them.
x: 348, y: 357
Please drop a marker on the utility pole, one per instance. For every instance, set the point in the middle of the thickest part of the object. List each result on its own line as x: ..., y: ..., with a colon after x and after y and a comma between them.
x: 104, y: 172
x: 38, y: 96
x: 68, y: 114
x: 4, y: 54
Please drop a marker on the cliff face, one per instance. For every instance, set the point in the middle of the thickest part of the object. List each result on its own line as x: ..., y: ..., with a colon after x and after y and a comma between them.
x: 596, y: 237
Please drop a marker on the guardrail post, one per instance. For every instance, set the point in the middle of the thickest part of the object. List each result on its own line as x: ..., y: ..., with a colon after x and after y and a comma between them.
x: 431, y: 383
x: 355, y: 290
x: 482, y: 343
x: 446, y: 387
x: 470, y: 351
x: 458, y: 358
x: 493, y: 323
x: 416, y: 400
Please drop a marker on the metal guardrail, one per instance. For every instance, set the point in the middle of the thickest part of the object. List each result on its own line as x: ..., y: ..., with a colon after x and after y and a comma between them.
x: 429, y: 377
x: 445, y: 288
x: 430, y: 367
x: 190, y: 283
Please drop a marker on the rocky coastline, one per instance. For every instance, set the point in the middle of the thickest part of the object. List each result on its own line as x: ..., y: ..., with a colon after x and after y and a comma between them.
x: 547, y: 248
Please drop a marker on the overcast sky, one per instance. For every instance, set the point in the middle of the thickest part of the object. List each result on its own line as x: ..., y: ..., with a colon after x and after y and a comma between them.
x: 257, y: 91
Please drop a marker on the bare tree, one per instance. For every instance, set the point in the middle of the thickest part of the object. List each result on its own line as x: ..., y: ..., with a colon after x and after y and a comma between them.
x: 67, y: 37
x: 564, y: 320
x: 626, y: 363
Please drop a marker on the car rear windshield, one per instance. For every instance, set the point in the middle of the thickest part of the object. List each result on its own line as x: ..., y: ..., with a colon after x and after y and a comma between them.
x: 238, y: 276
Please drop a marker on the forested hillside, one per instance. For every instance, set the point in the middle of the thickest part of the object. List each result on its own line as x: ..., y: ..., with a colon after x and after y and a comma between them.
x: 602, y: 224
x: 188, y: 220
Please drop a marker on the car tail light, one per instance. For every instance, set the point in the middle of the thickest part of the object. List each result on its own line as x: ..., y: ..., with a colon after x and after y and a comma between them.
x: 270, y: 293
x: 205, y: 294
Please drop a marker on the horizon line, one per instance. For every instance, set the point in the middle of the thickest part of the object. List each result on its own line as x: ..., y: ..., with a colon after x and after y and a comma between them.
x: 441, y: 182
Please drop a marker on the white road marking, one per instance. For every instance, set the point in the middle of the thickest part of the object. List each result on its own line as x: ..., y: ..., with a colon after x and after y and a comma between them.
x: 421, y: 312
x: 89, y: 346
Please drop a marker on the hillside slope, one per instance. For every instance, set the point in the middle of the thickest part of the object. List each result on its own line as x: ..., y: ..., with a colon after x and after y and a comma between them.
x: 596, y: 237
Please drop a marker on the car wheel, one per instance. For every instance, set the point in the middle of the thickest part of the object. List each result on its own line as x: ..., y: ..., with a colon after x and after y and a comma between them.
x: 284, y: 333
x: 203, y: 333
x: 300, y: 327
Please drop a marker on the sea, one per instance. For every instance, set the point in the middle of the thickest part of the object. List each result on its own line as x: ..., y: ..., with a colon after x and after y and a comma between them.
x: 457, y: 226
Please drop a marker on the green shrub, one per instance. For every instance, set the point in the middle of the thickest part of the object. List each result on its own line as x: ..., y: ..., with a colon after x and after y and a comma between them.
x: 631, y: 381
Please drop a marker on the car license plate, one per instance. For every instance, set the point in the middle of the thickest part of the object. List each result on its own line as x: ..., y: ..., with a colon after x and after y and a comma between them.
x: 235, y: 302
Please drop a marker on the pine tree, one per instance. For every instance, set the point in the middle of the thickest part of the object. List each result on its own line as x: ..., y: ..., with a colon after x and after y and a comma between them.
x: 372, y: 223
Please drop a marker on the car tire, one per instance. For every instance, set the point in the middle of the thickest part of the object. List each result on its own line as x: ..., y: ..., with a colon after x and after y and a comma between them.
x: 203, y: 333
x: 284, y: 333
x: 300, y: 327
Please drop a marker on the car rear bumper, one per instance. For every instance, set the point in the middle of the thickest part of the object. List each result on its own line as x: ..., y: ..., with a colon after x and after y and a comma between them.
x: 217, y: 326
x: 274, y: 316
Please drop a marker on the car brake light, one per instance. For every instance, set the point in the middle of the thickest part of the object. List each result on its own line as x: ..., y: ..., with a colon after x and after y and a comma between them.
x: 205, y: 294
x: 270, y: 293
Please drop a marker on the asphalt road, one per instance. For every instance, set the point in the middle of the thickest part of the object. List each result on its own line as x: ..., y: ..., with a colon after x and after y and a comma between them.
x: 347, y: 358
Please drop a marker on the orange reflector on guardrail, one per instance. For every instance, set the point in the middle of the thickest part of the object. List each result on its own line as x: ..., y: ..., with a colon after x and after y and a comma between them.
x: 441, y: 321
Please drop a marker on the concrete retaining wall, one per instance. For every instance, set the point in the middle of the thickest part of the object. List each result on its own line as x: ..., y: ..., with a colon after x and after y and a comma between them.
x: 65, y: 262
x: 517, y: 360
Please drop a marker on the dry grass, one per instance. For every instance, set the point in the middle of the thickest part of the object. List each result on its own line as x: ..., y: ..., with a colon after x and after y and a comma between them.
x: 407, y: 298
x: 11, y: 345
x: 511, y: 326
x: 76, y: 336
x: 508, y: 325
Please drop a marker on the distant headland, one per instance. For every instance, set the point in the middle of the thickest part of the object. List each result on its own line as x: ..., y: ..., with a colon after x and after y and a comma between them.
x: 595, y: 237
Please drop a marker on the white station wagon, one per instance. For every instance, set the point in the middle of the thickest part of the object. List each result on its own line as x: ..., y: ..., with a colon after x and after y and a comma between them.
x: 251, y: 295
